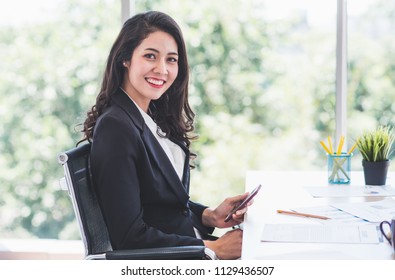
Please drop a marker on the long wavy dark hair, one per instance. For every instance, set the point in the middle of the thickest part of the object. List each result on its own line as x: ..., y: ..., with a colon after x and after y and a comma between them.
x: 171, y: 111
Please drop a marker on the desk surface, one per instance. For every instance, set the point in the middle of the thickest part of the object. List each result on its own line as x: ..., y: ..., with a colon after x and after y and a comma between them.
x: 284, y: 190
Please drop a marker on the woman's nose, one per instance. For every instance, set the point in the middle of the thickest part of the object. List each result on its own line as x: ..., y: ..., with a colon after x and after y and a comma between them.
x: 160, y: 67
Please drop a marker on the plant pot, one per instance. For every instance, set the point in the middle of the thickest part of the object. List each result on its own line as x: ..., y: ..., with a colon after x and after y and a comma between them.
x: 375, y: 172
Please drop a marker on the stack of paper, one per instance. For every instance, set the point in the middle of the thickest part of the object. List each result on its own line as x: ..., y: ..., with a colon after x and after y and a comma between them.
x: 373, y: 212
x: 350, y: 191
x: 320, y: 233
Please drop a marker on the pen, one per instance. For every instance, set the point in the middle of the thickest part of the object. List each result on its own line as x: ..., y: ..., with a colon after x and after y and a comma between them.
x: 302, y: 214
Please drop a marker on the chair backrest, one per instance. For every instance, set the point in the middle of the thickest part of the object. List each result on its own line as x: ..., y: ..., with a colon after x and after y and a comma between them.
x: 93, y: 230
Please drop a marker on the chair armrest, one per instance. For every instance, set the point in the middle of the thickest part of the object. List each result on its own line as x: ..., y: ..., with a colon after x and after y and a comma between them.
x: 165, y: 253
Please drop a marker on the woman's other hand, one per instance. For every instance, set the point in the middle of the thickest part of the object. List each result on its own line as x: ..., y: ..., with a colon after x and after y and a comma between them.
x: 228, y: 246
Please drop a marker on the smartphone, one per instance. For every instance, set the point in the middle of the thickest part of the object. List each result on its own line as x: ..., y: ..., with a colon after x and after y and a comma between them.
x: 243, y: 203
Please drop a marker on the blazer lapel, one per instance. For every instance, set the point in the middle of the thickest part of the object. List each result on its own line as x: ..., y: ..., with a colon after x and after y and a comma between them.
x: 186, y: 173
x: 160, y: 157
x: 156, y: 152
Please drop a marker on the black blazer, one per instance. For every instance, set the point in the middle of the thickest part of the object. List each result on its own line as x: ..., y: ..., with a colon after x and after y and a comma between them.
x: 144, y: 203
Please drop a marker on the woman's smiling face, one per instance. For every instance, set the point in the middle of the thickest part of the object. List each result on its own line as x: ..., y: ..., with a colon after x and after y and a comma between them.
x: 152, y: 68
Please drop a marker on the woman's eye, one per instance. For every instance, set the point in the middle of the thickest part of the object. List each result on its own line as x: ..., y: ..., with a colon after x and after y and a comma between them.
x: 150, y: 56
x: 172, y: 59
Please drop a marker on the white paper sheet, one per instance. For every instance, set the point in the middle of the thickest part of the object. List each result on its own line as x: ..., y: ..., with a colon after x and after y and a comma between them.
x: 320, y: 233
x: 350, y: 191
x: 374, y: 212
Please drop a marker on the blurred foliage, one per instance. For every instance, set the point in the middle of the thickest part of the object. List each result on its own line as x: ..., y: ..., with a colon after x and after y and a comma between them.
x: 49, y: 75
x: 371, y: 87
x: 263, y: 91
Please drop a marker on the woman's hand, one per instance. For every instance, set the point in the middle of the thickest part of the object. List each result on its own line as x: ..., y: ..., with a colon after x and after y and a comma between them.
x: 228, y: 246
x: 216, y: 217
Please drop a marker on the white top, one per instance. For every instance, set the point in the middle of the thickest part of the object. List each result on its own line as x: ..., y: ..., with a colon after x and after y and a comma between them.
x: 174, y: 152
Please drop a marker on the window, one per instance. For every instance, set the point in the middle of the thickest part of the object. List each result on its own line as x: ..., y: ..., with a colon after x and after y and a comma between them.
x: 262, y: 84
x: 51, y: 53
x: 371, y: 63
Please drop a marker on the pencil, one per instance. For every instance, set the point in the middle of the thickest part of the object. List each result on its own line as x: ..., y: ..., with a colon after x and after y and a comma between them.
x: 340, y: 146
x: 352, y: 148
x: 330, y: 145
x: 302, y: 214
x: 325, y: 147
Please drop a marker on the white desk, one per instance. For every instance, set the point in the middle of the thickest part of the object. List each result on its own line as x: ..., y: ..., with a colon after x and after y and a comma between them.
x: 285, y: 190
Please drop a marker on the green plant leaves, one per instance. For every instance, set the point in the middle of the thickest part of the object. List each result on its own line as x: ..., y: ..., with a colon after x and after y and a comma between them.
x: 376, y: 145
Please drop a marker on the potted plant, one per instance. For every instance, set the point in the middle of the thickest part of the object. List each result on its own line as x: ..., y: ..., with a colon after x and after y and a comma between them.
x: 376, y: 148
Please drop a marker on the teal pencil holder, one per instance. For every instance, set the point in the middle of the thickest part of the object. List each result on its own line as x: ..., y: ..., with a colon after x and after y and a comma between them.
x: 339, y: 167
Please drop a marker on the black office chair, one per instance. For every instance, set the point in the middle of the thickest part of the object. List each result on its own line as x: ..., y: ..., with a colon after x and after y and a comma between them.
x: 90, y: 219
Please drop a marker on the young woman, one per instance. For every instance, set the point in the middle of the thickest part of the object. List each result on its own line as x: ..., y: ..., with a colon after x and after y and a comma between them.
x: 140, y: 132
